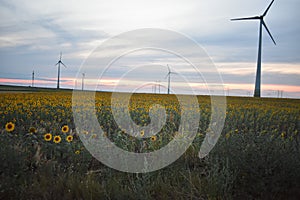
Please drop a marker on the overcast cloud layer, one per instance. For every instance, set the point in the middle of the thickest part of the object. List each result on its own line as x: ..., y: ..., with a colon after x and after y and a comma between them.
x: 32, y: 34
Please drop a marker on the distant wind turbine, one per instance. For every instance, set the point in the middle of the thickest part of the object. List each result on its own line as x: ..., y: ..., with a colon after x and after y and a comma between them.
x: 82, y: 82
x: 158, y: 87
x: 262, y: 23
x: 169, y: 78
x: 32, y: 79
x: 58, y: 70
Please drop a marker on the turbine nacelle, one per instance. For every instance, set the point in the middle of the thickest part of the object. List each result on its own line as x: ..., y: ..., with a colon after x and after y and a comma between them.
x: 261, y: 18
x: 60, y: 62
x: 169, y: 72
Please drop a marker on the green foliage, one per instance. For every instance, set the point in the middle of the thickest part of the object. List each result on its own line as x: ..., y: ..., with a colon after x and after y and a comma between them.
x: 256, y: 157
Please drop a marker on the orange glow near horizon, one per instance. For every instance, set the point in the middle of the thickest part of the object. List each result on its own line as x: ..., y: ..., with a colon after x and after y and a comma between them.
x: 22, y: 81
x: 71, y: 82
x: 286, y: 88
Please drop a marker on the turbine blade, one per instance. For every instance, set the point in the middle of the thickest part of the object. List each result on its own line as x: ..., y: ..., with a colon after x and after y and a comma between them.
x: 168, y: 68
x: 268, y: 8
x: 245, y: 18
x: 60, y: 55
x: 168, y: 74
x: 268, y: 31
x: 57, y: 63
x: 63, y: 64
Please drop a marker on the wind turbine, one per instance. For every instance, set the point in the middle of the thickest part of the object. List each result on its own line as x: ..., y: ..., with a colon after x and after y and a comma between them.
x: 169, y: 78
x: 262, y: 23
x: 32, y: 79
x: 58, y: 70
x: 82, y: 81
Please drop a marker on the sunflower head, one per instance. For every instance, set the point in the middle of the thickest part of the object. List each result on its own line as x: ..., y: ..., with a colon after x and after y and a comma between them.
x: 153, y: 138
x: 69, y: 138
x: 227, y: 135
x: 104, y: 134
x: 65, y: 129
x: 85, y: 132
x: 77, y: 152
x: 57, y: 139
x: 142, y: 133
x: 32, y: 130
x: 9, y: 126
x: 48, y: 137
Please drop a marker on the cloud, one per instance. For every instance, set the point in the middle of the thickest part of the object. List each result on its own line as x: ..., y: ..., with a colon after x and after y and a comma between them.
x: 34, y: 32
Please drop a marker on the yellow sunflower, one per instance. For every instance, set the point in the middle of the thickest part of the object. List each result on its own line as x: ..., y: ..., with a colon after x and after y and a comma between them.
x: 9, y: 126
x: 227, y: 135
x: 142, y: 133
x: 57, y: 139
x: 69, y: 138
x: 32, y: 130
x: 77, y: 152
x: 65, y: 129
x: 153, y: 138
x: 85, y: 132
x: 48, y: 137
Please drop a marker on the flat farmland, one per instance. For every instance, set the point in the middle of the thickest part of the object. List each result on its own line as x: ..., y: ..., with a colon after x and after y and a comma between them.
x: 43, y: 157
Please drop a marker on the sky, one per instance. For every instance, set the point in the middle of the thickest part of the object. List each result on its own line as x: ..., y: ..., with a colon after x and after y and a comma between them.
x: 33, y: 33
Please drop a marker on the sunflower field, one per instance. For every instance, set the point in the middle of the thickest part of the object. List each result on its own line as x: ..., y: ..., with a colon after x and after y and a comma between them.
x: 42, y: 156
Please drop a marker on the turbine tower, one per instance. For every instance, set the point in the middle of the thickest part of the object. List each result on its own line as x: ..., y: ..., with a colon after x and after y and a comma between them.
x: 169, y: 78
x: 58, y: 69
x: 32, y: 79
x: 262, y: 23
x: 82, y: 81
